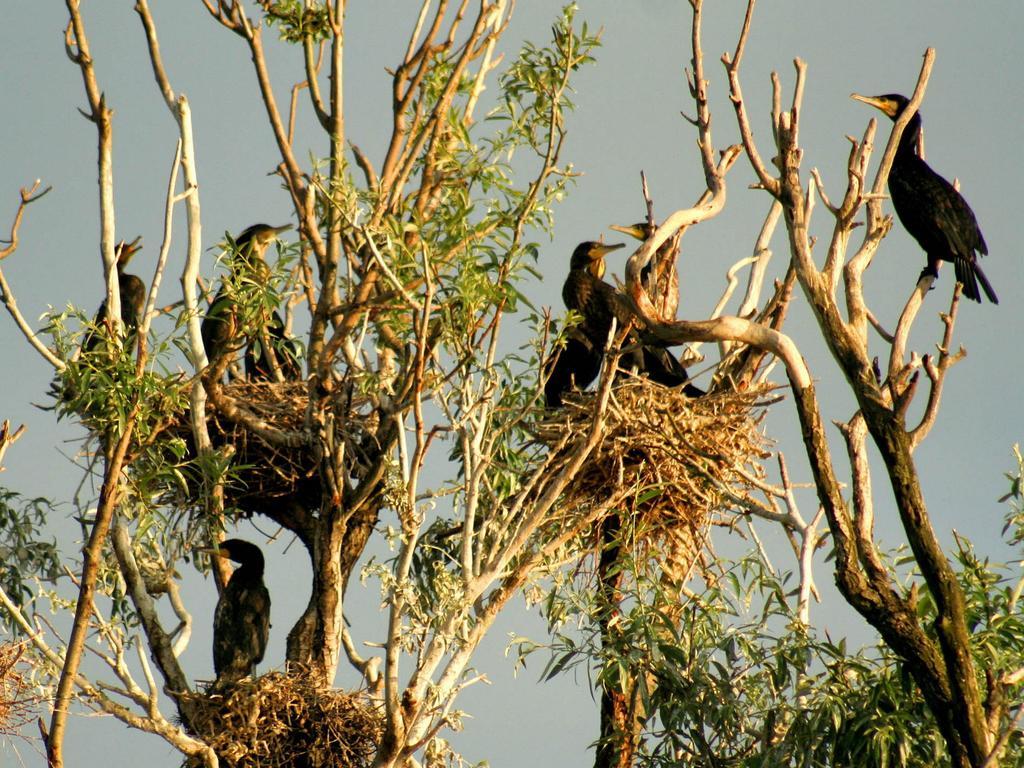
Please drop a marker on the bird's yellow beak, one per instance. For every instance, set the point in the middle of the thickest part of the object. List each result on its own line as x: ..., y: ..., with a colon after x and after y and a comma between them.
x: 636, y: 231
x: 887, y: 106
x: 213, y: 551
x: 269, y: 235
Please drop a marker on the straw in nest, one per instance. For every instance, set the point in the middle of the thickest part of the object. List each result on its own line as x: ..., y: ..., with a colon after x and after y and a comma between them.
x: 18, y: 700
x: 279, y: 721
x: 264, y: 473
x: 668, y: 460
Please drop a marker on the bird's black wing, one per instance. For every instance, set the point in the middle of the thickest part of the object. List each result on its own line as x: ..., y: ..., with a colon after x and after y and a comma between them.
x: 241, y: 627
x: 578, y: 363
x: 133, y: 300
x: 941, y: 221
x: 218, y: 327
x: 596, y: 301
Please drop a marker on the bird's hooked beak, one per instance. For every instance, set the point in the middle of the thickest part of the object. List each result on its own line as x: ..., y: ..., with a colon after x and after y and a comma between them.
x: 214, y: 552
x: 125, y: 250
x: 636, y: 231
x: 885, y: 105
x: 598, y: 251
x: 270, y: 233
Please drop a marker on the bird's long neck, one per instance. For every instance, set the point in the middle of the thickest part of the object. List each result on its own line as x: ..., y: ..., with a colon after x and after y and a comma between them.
x: 252, y: 568
x: 910, y: 137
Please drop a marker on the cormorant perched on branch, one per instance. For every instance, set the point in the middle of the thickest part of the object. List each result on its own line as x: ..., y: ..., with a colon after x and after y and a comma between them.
x: 588, y: 294
x: 221, y: 326
x: 133, y: 296
x: 241, y: 621
x: 930, y: 208
x: 579, y: 362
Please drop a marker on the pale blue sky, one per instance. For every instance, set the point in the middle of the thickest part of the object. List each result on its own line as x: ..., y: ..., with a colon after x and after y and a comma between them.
x: 627, y: 120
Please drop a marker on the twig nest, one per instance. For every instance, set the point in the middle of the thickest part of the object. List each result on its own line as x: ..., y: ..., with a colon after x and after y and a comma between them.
x: 667, y: 460
x: 283, y: 720
x: 266, y: 474
x: 19, y: 701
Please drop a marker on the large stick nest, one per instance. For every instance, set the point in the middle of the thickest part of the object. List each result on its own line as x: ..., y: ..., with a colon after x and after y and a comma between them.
x: 669, y: 461
x: 266, y: 474
x: 285, y: 721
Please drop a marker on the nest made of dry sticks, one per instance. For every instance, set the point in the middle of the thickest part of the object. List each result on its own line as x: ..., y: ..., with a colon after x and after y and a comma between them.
x: 280, y: 720
x: 19, y: 701
x: 265, y: 472
x: 668, y: 460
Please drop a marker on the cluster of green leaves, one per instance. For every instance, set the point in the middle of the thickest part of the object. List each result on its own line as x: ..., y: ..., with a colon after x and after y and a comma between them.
x: 296, y: 20
x: 101, y: 385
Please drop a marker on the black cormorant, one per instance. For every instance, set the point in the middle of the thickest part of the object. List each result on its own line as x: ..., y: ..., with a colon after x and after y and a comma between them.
x: 241, y: 621
x: 930, y: 208
x: 585, y: 292
x: 220, y: 328
x: 579, y: 361
x: 133, y: 296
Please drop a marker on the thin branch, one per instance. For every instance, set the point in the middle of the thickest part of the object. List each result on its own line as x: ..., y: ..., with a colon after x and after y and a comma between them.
x: 165, y: 247
x: 142, y: 8
x: 28, y: 196
x: 7, y: 439
x: 936, y: 372
x: 77, y: 47
x: 897, y: 369
x: 158, y: 640
x: 732, y: 68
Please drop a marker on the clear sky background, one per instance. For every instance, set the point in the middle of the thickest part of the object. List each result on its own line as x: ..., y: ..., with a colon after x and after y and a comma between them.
x: 627, y: 120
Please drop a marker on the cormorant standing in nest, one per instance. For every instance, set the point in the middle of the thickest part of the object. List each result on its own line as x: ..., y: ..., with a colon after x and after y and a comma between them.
x: 584, y: 291
x: 588, y: 294
x: 241, y: 621
x: 220, y: 327
x: 133, y: 296
x: 930, y: 208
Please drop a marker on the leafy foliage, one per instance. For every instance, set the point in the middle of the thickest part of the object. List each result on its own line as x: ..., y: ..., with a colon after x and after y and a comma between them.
x: 25, y: 554
x: 735, y: 679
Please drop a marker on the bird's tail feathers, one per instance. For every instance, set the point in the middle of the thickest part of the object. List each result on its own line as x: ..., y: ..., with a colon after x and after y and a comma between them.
x: 969, y: 273
x: 985, y: 284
